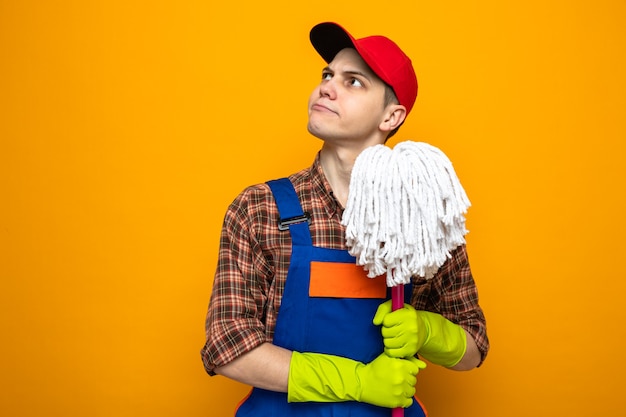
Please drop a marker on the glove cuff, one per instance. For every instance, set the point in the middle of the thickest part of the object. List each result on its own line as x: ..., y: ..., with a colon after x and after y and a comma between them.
x: 446, y: 343
x: 322, y: 378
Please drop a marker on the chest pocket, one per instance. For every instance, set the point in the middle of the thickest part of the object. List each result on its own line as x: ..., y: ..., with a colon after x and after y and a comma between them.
x: 344, y: 280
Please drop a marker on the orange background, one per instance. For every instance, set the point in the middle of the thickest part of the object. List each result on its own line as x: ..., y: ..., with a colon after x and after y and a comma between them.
x: 126, y: 127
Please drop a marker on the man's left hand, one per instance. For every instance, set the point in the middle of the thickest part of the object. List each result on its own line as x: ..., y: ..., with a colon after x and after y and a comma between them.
x: 400, y: 330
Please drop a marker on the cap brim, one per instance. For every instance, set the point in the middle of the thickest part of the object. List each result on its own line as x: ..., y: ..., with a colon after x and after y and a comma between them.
x: 330, y: 38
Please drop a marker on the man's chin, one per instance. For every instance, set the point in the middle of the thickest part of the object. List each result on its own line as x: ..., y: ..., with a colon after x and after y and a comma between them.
x: 314, y: 131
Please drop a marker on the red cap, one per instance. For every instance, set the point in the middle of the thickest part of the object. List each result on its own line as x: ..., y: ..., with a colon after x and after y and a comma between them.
x: 382, y: 55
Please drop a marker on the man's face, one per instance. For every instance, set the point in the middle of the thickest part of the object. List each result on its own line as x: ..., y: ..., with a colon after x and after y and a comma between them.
x: 348, y: 103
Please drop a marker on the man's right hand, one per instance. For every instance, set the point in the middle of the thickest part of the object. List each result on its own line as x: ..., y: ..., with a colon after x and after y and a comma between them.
x: 385, y: 382
x: 389, y: 382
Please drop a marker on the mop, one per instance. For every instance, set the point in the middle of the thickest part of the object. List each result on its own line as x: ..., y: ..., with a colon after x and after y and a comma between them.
x: 404, y: 214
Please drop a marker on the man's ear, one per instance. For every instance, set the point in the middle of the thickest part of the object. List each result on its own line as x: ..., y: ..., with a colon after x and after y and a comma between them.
x: 394, y: 117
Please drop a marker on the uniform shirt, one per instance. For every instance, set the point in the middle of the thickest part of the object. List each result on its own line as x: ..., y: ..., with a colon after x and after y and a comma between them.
x: 254, y: 259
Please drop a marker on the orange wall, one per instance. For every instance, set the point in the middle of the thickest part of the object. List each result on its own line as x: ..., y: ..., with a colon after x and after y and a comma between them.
x: 126, y: 127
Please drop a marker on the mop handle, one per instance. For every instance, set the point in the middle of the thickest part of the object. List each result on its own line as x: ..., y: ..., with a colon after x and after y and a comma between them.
x: 397, y: 412
x: 397, y: 302
x: 397, y: 297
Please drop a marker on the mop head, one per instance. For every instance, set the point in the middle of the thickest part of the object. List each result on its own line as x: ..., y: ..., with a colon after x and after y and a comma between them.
x: 405, y: 211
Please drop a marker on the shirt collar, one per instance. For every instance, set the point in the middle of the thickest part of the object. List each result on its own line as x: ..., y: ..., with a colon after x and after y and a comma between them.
x: 322, y: 188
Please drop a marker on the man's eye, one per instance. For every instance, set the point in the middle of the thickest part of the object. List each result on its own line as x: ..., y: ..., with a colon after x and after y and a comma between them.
x: 356, y: 83
x: 326, y: 76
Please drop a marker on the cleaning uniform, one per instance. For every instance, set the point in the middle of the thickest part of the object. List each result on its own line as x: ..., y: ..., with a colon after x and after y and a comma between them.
x: 327, y: 307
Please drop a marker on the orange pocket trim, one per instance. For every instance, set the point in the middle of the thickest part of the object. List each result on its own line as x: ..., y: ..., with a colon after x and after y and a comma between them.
x: 342, y: 280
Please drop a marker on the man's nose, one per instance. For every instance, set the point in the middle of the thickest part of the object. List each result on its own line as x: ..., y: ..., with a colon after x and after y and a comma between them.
x: 328, y: 89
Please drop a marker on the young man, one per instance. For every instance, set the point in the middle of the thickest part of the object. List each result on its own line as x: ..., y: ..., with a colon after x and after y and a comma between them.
x: 291, y: 314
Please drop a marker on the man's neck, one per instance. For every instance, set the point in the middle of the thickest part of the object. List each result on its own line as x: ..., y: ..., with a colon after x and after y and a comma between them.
x: 337, y: 163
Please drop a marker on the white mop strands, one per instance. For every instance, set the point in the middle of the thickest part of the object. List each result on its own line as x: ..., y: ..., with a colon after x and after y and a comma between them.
x: 405, y: 211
